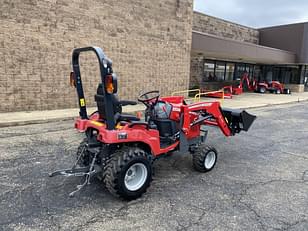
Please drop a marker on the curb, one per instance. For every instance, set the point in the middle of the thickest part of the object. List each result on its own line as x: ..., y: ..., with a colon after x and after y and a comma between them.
x: 38, y: 121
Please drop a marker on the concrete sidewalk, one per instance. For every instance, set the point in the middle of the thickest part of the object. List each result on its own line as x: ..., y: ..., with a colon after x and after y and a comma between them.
x: 251, y: 100
x: 246, y: 100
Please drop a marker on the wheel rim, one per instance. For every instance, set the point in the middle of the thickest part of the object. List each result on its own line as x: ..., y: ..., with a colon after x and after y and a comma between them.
x: 209, y: 160
x: 135, y: 176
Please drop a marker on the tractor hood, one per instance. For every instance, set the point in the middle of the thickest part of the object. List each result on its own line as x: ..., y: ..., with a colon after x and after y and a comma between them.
x: 238, y: 120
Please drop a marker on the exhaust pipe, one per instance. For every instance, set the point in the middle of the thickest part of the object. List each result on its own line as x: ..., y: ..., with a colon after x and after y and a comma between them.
x: 238, y: 120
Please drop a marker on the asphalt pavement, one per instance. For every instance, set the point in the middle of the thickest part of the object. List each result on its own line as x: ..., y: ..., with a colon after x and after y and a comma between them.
x: 260, y: 181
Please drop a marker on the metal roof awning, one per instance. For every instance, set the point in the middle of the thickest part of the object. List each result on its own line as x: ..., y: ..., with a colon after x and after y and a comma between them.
x: 221, y: 48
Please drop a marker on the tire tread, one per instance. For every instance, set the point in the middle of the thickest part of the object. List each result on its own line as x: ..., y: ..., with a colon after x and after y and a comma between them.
x: 198, y: 158
x: 117, y: 161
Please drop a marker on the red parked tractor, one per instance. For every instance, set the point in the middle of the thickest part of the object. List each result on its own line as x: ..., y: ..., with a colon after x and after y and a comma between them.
x: 261, y: 87
x: 273, y: 87
x: 120, y: 149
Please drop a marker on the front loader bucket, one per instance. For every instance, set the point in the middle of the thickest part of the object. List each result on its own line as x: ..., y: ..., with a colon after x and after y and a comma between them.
x: 238, y: 120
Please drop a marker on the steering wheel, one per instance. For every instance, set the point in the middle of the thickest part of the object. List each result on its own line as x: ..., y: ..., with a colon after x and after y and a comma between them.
x: 149, y: 98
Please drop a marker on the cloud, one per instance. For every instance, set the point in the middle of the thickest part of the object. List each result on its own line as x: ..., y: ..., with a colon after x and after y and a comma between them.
x: 256, y: 13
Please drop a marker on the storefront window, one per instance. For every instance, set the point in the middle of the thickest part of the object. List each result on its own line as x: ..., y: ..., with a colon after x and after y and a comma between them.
x: 257, y: 73
x: 229, y: 71
x: 215, y: 70
x: 277, y: 74
x: 240, y: 70
x: 306, y: 78
x: 220, y: 71
x: 284, y: 74
x: 209, y: 69
x: 302, y: 74
x: 294, y: 75
x: 268, y: 74
x: 251, y: 70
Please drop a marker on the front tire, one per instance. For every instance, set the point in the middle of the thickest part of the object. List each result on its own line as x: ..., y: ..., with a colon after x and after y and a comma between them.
x: 204, y: 158
x: 128, y: 173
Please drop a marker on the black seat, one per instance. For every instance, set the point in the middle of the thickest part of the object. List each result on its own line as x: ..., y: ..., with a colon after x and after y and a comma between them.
x: 117, y: 106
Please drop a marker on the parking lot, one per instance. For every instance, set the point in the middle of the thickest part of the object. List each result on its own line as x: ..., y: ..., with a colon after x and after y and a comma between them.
x: 260, y: 182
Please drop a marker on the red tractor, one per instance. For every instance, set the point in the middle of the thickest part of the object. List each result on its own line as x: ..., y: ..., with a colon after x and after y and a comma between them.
x: 273, y: 87
x: 120, y: 148
x: 262, y: 87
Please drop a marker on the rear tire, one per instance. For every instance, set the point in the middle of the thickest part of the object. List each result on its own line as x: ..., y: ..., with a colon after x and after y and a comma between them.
x: 128, y: 173
x: 83, y: 154
x: 204, y: 158
x: 262, y: 90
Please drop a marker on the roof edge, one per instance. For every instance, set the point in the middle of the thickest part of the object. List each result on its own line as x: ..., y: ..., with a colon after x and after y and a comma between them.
x: 282, y: 25
x: 241, y: 42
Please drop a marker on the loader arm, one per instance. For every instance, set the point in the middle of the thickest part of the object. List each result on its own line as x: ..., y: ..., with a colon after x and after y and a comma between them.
x: 229, y: 121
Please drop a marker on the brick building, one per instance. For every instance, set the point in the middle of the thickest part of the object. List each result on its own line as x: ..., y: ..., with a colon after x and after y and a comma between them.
x: 148, y: 41
x: 153, y: 44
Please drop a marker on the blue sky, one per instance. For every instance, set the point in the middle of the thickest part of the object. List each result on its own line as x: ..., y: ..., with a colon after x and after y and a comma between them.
x: 255, y: 13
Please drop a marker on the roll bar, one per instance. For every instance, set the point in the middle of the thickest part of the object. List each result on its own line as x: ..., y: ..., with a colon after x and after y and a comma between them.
x: 105, y: 66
